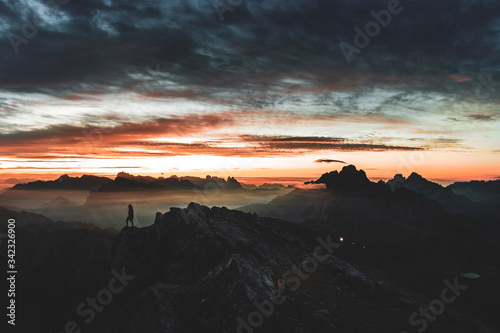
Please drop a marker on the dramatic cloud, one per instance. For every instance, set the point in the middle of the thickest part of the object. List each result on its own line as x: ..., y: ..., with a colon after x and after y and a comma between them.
x: 481, y: 117
x: 108, y: 42
x: 325, y: 160
x: 67, y: 134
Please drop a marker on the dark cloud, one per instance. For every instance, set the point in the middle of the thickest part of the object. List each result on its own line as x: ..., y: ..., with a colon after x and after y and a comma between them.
x: 265, y: 138
x: 318, y: 146
x: 439, y: 143
x: 481, y: 117
x: 92, y: 134
x: 103, y: 42
x: 325, y: 160
x: 308, y: 139
x: 258, y: 148
x: 284, y: 145
x: 66, y: 167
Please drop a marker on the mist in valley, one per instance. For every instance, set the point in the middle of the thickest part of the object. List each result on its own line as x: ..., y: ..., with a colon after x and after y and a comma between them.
x: 109, y: 209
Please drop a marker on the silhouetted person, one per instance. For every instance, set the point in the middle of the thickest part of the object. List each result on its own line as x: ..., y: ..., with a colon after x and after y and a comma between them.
x: 130, y: 215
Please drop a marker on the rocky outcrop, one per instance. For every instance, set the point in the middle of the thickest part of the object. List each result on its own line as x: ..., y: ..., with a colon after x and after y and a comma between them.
x: 184, y: 245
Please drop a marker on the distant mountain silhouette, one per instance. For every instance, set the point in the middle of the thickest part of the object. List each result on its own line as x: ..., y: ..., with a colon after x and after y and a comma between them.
x: 478, y: 191
x: 65, y: 182
x: 348, y: 179
x: 127, y: 182
x: 267, y: 186
x: 211, y: 182
x: 58, y: 202
x: 232, y: 184
x: 452, y: 197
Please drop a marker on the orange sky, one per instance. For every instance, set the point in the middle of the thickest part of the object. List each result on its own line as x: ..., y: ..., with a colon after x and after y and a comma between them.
x: 368, y: 120
x: 171, y: 88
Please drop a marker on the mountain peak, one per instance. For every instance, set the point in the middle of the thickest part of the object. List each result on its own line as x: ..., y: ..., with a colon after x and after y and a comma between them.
x: 232, y: 183
x: 396, y: 181
x: 123, y: 174
x: 63, y: 178
x: 349, y: 178
x: 415, y: 176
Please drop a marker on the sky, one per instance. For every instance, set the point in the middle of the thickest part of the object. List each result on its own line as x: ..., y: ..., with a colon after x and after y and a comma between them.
x: 249, y: 88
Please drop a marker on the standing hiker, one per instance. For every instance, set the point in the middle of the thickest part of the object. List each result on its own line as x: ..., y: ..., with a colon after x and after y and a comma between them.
x: 130, y: 215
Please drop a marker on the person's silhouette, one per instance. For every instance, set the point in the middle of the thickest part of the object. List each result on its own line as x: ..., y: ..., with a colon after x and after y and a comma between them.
x: 130, y: 215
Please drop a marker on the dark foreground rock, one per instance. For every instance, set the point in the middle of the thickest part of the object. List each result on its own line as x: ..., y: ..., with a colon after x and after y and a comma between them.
x: 206, y: 269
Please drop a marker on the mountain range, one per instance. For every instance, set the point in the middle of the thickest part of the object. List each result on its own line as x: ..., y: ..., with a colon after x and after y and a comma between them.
x: 65, y: 182
x: 103, y: 201
x: 126, y: 182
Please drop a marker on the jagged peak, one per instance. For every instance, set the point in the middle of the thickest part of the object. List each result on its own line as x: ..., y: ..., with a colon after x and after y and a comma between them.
x: 63, y: 178
x: 196, y: 206
x: 348, y: 178
x: 398, y: 179
x: 123, y: 174
x: 85, y: 176
x: 415, y: 176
